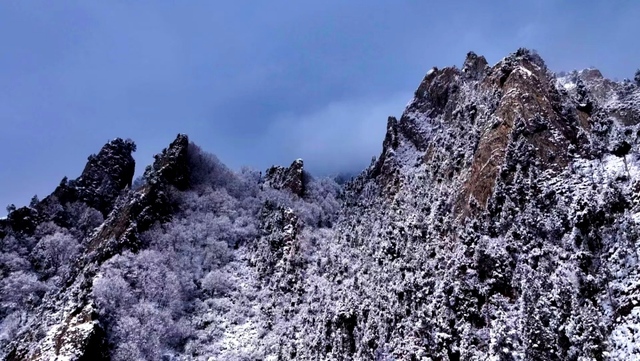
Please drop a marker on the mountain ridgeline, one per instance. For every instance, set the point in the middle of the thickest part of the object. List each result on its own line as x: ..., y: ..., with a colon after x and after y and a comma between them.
x: 500, y: 222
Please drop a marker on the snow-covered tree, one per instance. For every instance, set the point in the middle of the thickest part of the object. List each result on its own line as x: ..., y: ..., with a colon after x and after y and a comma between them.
x: 55, y: 254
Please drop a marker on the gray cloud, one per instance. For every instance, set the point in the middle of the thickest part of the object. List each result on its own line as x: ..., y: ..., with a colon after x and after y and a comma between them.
x: 340, y: 136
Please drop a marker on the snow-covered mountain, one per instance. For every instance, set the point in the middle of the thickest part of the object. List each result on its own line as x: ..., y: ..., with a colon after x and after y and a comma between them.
x: 500, y: 222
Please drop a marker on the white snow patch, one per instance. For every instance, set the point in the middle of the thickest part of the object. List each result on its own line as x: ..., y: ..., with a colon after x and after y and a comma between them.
x: 240, y: 337
x: 566, y: 83
x: 625, y: 338
x: 610, y: 167
x: 526, y: 71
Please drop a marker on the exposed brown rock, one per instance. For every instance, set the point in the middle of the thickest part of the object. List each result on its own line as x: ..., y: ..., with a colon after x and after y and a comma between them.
x: 528, y: 104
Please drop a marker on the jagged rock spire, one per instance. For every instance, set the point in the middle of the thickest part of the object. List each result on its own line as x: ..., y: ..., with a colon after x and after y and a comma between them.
x: 172, y: 164
x: 104, y: 176
x: 475, y: 66
x: 291, y: 178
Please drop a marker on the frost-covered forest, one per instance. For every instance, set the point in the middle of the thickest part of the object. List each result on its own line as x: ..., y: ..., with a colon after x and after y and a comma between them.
x: 500, y: 222
x: 196, y: 287
x: 193, y: 285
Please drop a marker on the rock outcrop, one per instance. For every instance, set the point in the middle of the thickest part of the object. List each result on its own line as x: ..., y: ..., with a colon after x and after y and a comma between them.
x: 67, y: 319
x: 172, y: 165
x: 291, y: 178
x: 105, y: 175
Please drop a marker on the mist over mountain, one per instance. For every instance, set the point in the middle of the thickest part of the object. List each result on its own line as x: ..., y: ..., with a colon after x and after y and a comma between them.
x: 500, y: 221
x: 235, y: 76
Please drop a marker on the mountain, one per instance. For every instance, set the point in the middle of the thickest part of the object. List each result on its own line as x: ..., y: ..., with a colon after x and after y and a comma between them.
x: 500, y: 222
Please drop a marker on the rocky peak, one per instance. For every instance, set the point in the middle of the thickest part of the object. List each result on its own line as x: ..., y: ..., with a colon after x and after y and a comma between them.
x: 591, y: 74
x: 105, y: 175
x: 436, y: 89
x: 139, y: 210
x: 103, y: 179
x: 479, y: 113
x: 291, y: 178
x: 475, y: 67
x: 172, y: 164
x: 600, y: 97
x: 385, y: 166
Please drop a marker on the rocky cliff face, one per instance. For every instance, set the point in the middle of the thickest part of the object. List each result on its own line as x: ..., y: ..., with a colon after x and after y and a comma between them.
x: 503, y: 218
x: 500, y: 222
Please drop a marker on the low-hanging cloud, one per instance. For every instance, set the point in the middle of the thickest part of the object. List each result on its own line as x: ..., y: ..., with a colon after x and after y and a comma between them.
x: 342, y: 136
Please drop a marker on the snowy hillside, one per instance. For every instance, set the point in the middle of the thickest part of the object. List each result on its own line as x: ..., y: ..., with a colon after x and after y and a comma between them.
x: 500, y: 222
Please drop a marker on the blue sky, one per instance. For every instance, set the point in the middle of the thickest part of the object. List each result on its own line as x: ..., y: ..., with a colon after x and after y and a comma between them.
x: 257, y: 82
